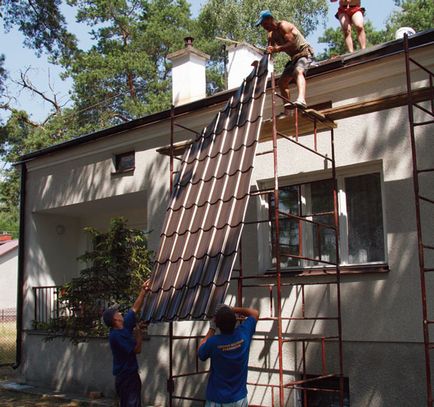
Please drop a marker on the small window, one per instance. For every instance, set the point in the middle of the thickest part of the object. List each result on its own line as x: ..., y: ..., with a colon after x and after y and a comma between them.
x: 124, y: 162
x: 329, y: 398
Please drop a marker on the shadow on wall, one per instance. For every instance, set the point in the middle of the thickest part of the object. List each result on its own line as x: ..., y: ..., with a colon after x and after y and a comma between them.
x: 87, y: 367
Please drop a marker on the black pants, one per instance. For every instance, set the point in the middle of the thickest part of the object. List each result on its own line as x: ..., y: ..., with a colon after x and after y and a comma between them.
x: 129, y: 389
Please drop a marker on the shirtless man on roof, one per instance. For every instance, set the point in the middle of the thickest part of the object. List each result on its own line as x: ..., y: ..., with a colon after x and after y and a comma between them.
x: 285, y: 37
x: 350, y: 13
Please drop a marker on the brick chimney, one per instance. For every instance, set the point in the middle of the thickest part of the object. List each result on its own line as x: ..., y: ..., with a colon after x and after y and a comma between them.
x: 240, y: 58
x: 188, y: 74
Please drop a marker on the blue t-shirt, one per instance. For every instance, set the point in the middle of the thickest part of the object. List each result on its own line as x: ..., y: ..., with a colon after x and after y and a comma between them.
x: 229, y: 363
x: 122, y: 344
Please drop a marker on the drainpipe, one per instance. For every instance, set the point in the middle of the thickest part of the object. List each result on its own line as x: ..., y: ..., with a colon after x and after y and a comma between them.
x: 20, y: 293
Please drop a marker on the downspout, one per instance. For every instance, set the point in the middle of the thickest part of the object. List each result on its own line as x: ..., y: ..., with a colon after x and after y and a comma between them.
x: 20, y: 293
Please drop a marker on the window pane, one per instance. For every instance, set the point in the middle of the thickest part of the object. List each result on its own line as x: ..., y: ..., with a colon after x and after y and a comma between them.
x: 288, y: 228
x: 322, y: 196
x: 324, y: 240
x: 365, y: 218
x: 125, y: 161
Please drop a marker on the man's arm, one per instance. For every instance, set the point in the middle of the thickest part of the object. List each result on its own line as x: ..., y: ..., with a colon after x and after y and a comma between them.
x: 288, y: 32
x: 247, y: 312
x: 210, y: 333
x: 139, y: 301
x: 138, y: 336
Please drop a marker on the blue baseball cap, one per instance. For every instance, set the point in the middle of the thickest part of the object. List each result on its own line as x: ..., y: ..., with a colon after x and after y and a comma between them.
x: 262, y: 16
x: 109, y: 313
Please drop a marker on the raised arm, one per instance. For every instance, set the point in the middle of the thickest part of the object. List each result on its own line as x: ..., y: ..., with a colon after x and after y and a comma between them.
x: 247, y: 312
x: 139, y: 301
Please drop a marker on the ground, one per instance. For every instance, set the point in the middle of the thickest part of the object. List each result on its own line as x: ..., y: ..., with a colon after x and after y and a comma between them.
x: 9, y: 398
x: 16, y: 399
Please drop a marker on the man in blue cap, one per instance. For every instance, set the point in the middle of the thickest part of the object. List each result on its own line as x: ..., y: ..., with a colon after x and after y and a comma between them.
x: 229, y: 354
x: 125, y: 342
x: 285, y: 37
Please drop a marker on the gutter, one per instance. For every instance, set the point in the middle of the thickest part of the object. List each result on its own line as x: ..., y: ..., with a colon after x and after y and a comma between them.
x: 371, y: 54
x: 20, y: 283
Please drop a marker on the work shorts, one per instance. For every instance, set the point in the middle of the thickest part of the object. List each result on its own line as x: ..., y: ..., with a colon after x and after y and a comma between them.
x: 349, y: 11
x: 301, y: 63
x: 239, y: 403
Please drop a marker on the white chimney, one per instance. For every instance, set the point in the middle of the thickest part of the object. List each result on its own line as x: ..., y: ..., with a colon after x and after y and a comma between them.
x: 188, y: 74
x: 240, y: 58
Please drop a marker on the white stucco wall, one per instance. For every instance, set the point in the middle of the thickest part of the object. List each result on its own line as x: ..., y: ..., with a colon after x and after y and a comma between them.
x: 8, y: 279
x: 383, y: 353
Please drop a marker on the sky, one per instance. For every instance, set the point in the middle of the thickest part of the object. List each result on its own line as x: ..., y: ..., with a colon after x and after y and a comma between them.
x: 41, y: 73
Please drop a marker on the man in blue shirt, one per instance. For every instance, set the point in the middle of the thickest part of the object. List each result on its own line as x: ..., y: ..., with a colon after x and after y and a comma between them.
x: 229, y: 353
x: 125, y: 342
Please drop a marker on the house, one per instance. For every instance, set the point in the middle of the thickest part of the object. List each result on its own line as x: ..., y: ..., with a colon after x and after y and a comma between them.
x: 124, y: 170
x: 8, y: 273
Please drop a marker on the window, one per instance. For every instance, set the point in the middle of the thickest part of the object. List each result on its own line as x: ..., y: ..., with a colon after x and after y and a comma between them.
x: 124, y: 162
x: 328, y: 398
x: 312, y: 242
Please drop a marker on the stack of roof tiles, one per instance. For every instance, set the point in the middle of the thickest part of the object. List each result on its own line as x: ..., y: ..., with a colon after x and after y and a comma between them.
x: 204, y: 220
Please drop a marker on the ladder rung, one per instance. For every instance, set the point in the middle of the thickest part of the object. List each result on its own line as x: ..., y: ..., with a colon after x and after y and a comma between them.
x: 423, y: 123
x: 425, y: 246
x: 429, y: 321
x: 425, y: 170
x: 428, y: 270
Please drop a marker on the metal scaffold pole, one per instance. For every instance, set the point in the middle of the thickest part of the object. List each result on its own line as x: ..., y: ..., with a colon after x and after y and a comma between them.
x: 419, y: 200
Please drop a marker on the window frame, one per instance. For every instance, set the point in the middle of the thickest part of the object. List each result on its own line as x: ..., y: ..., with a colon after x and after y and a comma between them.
x: 345, y: 266
x: 117, y: 159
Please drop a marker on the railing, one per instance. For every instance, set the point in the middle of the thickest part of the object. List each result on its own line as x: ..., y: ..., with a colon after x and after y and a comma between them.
x: 47, y: 305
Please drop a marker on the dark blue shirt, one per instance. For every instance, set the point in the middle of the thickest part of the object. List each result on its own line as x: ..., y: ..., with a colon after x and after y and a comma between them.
x: 122, y: 344
x: 229, y: 363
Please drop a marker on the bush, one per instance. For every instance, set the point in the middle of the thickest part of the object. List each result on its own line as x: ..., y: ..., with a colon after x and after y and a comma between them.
x: 116, y: 268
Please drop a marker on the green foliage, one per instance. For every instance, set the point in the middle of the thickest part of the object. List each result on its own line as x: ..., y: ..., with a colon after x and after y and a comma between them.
x: 9, y: 222
x: 417, y: 14
x: 336, y: 44
x: 114, y: 272
x: 42, y: 25
x: 126, y: 74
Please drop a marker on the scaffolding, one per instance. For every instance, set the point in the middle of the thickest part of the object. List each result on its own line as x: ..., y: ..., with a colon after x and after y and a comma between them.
x: 304, y: 121
x: 423, y: 203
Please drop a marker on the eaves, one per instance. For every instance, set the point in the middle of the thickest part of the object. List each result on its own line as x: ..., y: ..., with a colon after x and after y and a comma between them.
x: 369, y: 55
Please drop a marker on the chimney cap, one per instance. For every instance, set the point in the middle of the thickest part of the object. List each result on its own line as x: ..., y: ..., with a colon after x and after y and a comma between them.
x: 188, y: 41
x: 189, y: 49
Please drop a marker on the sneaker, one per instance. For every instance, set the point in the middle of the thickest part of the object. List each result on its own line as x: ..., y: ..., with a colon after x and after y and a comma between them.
x: 300, y: 103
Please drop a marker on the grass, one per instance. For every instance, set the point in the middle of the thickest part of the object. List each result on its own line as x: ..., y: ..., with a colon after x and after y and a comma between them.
x: 8, y: 335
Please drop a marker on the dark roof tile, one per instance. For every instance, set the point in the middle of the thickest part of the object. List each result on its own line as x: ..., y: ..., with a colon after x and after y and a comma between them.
x: 206, y: 210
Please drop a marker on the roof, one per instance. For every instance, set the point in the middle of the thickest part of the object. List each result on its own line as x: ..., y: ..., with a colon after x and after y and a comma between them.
x: 364, y: 56
x: 205, y: 217
x: 8, y: 246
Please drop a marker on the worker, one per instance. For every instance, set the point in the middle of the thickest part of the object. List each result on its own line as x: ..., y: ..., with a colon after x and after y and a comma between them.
x: 350, y: 13
x: 125, y: 339
x: 229, y: 354
x: 285, y: 37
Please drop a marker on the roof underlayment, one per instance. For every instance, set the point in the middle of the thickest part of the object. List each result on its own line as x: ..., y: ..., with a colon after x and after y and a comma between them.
x: 204, y: 220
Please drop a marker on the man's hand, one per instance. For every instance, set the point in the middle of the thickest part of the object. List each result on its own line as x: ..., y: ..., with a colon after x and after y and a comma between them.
x: 146, y: 286
x: 139, y: 301
x: 272, y: 49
